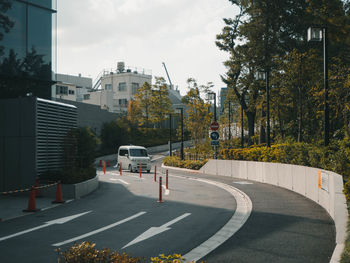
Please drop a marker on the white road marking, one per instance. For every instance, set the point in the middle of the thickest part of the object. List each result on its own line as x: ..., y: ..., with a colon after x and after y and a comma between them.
x: 155, y: 159
x: 242, y: 182
x: 49, y: 223
x: 120, y: 180
x: 242, y: 213
x: 155, y: 230
x: 98, y: 230
x: 166, y: 190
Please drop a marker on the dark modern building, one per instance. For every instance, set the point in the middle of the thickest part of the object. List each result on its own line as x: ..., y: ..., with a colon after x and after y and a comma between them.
x: 27, y: 48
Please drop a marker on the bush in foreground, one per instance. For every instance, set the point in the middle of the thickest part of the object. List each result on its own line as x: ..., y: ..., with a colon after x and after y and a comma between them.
x: 86, y: 252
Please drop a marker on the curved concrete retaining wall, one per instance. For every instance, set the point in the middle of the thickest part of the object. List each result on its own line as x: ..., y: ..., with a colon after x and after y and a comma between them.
x: 74, y: 191
x: 323, y: 187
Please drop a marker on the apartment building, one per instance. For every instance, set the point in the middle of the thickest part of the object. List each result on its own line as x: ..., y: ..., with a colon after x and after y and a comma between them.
x: 73, y: 88
x: 114, y: 88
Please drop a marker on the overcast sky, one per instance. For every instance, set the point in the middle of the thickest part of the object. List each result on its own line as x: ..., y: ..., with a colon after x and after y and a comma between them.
x: 95, y: 35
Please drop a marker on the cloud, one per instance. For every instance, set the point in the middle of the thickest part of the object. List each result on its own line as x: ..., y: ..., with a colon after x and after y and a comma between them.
x: 93, y: 35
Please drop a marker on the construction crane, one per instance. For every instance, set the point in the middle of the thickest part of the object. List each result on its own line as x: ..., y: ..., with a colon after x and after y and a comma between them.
x: 166, y: 71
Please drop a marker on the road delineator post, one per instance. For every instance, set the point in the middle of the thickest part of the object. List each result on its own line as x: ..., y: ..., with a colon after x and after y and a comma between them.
x: 140, y: 167
x: 160, y: 190
x: 59, y: 198
x: 104, y: 167
x: 31, y: 202
x: 155, y: 173
x: 167, y: 180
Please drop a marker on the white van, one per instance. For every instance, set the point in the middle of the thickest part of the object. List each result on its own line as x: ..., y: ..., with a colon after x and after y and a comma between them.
x: 130, y: 157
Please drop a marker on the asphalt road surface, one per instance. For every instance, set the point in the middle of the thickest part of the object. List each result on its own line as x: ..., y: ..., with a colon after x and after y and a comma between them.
x: 124, y: 215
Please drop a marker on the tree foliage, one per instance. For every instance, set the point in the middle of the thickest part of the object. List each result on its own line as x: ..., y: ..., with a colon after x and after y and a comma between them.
x: 270, y: 36
x: 198, y: 119
x: 151, y: 104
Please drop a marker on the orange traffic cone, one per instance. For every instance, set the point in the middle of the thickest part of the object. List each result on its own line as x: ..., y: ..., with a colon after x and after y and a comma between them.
x: 37, y: 192
x: 59, y: 198
x: 31, y: 203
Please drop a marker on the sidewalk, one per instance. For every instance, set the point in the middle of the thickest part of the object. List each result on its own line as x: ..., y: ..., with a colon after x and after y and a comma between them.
x: 12, y: 205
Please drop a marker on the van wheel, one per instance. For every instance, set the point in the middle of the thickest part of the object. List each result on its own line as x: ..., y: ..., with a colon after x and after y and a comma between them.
x: 130, y: 169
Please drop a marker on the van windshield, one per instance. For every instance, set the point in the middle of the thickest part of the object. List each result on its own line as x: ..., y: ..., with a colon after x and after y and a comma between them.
x: 138, y: 152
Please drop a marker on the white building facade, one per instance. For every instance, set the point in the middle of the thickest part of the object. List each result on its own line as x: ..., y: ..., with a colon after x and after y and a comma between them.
x: 116, y: 87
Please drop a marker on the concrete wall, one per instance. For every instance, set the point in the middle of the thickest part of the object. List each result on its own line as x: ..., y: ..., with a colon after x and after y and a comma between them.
x: 323, y: 187
x: 91, y: 115
x: 73, y: 191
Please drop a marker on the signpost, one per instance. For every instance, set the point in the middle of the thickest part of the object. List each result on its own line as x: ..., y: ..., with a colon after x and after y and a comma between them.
x: 214, y: 126
x: 214, y: 136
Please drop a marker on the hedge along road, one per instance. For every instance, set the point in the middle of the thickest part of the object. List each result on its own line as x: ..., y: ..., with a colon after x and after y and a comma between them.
x: 283, y: 226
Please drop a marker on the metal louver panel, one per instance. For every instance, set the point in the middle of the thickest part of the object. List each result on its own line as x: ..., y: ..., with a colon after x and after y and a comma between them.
x: 54, y: 120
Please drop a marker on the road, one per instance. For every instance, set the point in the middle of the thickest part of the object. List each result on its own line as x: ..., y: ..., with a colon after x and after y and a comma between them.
x: 124, y: 215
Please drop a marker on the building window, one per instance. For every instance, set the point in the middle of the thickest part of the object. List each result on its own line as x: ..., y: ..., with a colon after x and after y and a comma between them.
x: 108, y: 86
x: 134, y: 87
x: 71, y: 92
x: 86, y: 96
x: 123, y: 101
x: 61, y: 90
x: 122, y: 86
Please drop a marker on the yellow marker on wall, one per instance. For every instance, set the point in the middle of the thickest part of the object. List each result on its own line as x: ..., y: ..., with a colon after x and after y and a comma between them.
x: 319, y: 179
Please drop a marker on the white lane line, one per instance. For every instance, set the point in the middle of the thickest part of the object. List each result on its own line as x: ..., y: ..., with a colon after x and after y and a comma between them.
x: 166, y: 190
x: 49, y: 223
x: 98, y: 230
x: 120, y: 180
x: 242, y: 213
x: 242, y: 182
x: 155, y: 159
x: 155, y: 230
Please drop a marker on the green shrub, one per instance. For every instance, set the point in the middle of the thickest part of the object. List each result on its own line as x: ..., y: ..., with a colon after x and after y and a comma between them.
x: 188, y: 164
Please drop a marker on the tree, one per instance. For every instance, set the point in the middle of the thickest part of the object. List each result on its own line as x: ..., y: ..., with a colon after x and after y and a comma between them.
x: 270, y: 36
x: 160, y: 101
x: 143, y: 102
x: 198, y: 119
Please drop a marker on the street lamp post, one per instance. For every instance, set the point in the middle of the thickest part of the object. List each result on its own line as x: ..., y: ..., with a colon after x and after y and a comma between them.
x: 317, y: 34
x: 242, y: 130
x: 170, y: 128
x: 212, y: 96
x: 181, y: 110
x: 229, y: 120
x: 264, y: 75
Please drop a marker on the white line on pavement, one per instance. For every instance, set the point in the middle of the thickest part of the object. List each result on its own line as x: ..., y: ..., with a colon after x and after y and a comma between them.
x: 155, y: 230
x: 49, y: 223
x: 242, y: 213
x: 98, y: 230
x: 120, y: 180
